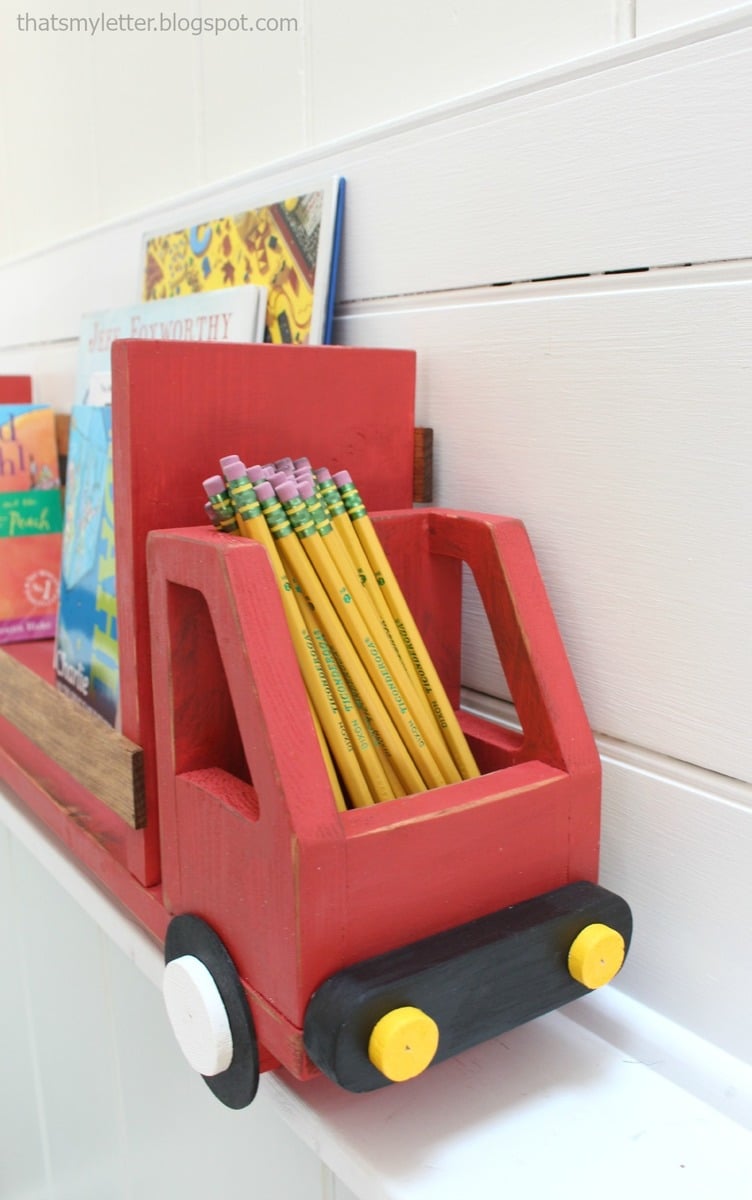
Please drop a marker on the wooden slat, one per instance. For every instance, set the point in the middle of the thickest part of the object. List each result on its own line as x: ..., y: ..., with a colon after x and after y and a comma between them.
x: 100, y: 759
x: 423, y: 467
x: 62, y: 429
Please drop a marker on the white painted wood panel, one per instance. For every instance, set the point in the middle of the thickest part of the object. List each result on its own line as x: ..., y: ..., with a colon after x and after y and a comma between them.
x: 654, y: 15
x: 7, y: 248
x: 615, y: 162
x: 97, y: 1100
x: 180, y: 1141
x: 48, y: 117
x: 479, y: 1119
x: 679, y: 851
x: 69, y: 1010
x: 254, y: 94
x: 544, y: 1110
x: 147, y: 136
x: 613, y: 418
x: 23, y: 1164
x: 432, y: 52
x: 675, y: 842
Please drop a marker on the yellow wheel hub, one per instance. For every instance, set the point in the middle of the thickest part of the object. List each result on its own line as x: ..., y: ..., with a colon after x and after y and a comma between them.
x: 596, y: 955
x: 403, y: 1043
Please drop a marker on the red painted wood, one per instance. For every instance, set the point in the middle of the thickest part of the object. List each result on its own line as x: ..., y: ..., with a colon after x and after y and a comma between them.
x: 245, y: 824
x: 297, y: 891
x: 91, y: 846
x: 177, y: 408
x: 15, y: 389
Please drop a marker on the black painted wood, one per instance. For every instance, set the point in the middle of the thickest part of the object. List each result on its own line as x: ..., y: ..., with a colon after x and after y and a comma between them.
x: 189, y: 934
x: 476, y: 981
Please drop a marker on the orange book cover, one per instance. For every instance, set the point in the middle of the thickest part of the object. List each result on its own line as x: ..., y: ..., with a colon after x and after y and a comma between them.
x: 30, y: 523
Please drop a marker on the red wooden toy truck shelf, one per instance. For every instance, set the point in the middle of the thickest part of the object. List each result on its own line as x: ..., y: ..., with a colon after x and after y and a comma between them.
x: 466, y: 904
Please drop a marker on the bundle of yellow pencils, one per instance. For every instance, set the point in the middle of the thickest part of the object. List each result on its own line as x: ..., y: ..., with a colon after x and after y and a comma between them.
x: 383, y: 720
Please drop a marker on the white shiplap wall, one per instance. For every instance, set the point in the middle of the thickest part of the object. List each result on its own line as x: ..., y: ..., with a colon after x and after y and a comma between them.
x: 610, y: 411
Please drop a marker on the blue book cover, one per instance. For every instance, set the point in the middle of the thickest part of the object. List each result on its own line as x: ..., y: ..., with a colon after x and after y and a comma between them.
x: 86, y: 648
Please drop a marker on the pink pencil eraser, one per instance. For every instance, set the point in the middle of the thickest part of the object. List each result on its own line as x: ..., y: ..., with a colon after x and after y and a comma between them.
x: 284, y: 464
x: 341, y: 478
x: 264, y: 490
x: 286, y: 491
x: 235, y: 470
x: 213, y: 485
x: 255, y: 473
x: 322, y: 474
x: 301, y: 462
x: 279, y: 477
x: 228, y: 458
x: 306, y: 489
x: 269, y: 471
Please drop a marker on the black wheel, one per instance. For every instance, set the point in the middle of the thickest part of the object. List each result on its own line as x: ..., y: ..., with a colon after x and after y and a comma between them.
x: 209, y: 1012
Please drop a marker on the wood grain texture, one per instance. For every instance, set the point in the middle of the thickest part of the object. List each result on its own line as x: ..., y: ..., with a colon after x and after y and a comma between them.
x: 97, y: 756
x: 423, y: 466
x: 62, y: 431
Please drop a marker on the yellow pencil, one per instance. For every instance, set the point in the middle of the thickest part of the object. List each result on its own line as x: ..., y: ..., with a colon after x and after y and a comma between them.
x: 300, y: 568
x: 327, y: 715
x: 326, y: 754
x: 372, y: 656
x: 402, y: 674
x: 408, y: 630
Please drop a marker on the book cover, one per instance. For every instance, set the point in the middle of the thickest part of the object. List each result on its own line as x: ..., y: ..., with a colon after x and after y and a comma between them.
x: 30, y: 523
x: 235, y: 315
x: 86, y: 649
x: 290, y: 245
x: 28, y: 448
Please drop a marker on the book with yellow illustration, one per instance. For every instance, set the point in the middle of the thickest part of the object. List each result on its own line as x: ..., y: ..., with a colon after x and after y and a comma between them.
x: 31, y: 522
x: 290, y: 246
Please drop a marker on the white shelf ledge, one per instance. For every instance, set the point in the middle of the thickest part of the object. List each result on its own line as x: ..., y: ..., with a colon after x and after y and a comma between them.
x: 603, y: 1097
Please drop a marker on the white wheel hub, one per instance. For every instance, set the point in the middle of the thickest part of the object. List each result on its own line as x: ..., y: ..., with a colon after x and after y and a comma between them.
x: 197, y: 1015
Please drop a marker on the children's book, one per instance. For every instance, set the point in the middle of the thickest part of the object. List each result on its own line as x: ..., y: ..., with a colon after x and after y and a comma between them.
x: 236, y: 315
x: 290, y: 244
x: 30, y: 522
x: 86, y: 649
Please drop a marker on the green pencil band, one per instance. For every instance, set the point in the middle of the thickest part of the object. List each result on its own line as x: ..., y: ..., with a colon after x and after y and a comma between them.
x: 425, y: 671
x: 302, y: 570
x: 335, y: 738
x: 328, y: 493
x: 387, y: 673
x: 352, y: 501
x: 383, y: 636
x: 221, y: 504
x: 326, y: 639
x: 243, y: 498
